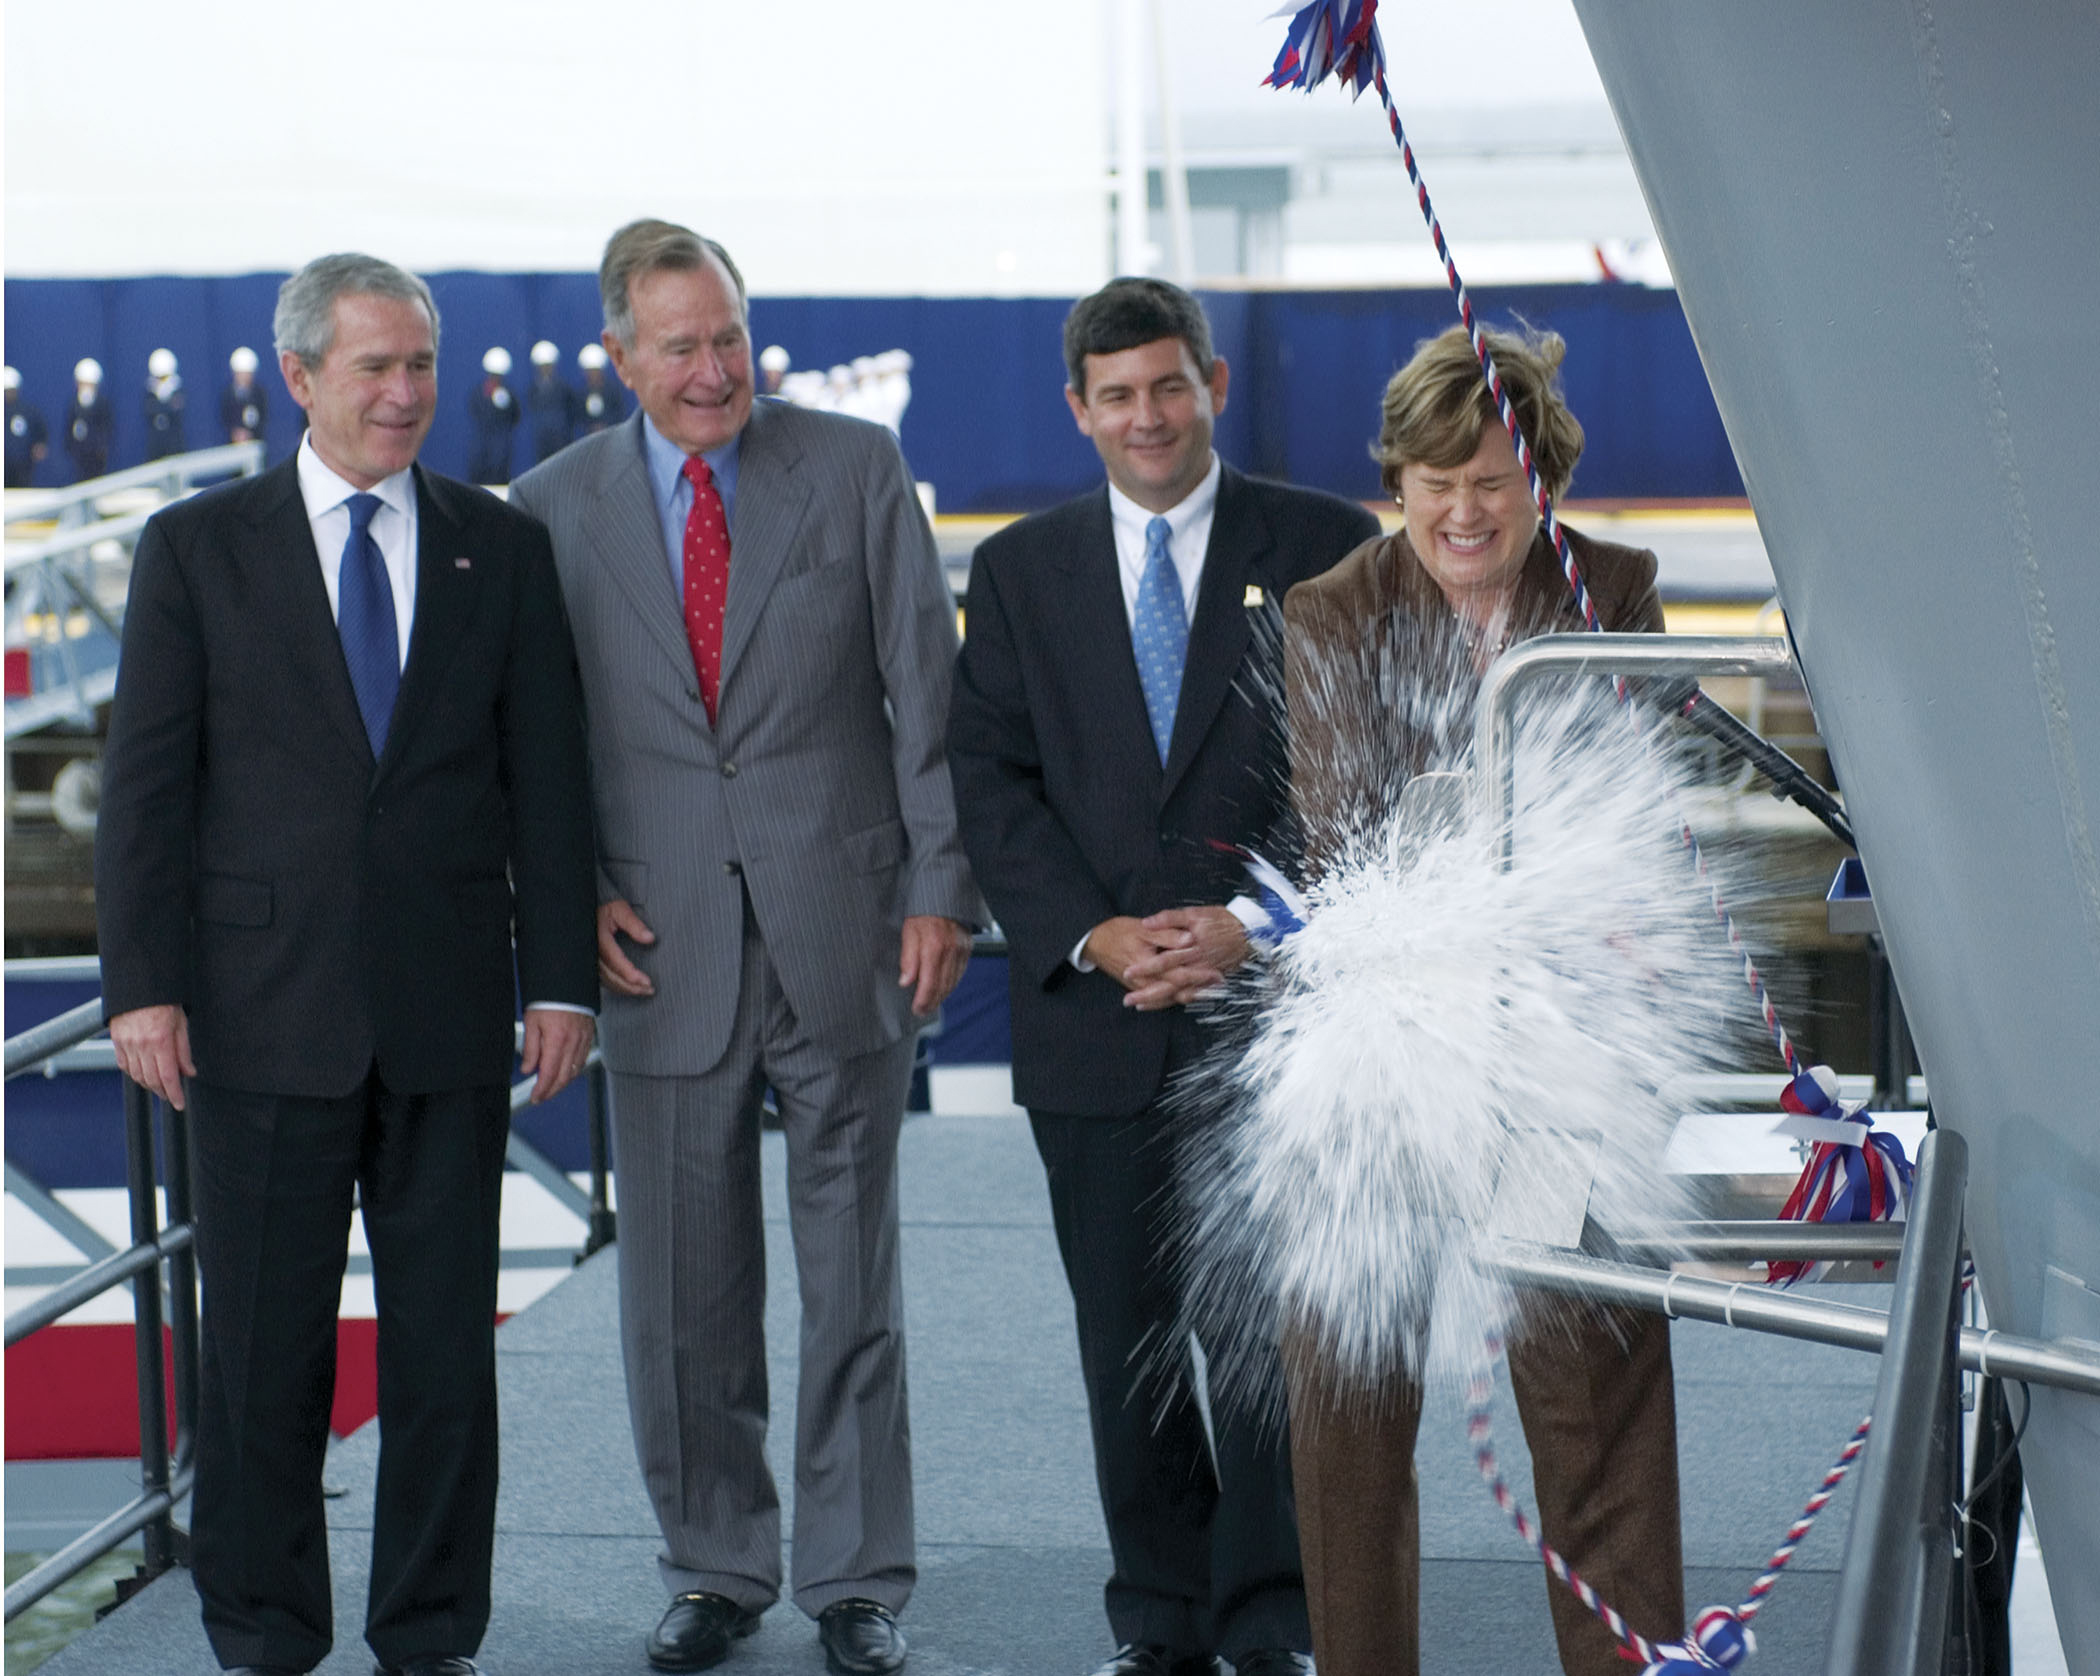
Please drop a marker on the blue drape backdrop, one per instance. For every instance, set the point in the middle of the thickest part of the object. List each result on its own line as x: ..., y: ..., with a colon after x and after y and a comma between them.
x: 987, y: 424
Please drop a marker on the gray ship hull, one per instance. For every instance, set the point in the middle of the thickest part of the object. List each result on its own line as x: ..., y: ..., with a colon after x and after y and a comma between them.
x: 1884, y: 222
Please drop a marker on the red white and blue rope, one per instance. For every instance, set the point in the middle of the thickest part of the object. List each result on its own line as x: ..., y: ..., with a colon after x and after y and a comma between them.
x: 1339, y: 38
x: 1720, y: 1637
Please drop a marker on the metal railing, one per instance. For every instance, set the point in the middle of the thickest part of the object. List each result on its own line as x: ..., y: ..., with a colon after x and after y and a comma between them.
x: 1495, y: 714
x: 174, y: 476
x: 593, y: 1206
x: 1904, y: 1552
x: 57, y: 570
x: 1901, y: 1556
x: 165, y: 1471
x: 1752, y: 1304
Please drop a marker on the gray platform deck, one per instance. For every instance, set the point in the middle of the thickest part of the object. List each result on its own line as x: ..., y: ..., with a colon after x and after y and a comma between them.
x: 1012, y: 1552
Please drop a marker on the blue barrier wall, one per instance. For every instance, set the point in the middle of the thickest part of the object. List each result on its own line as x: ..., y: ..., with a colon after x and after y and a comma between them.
x: 987, y: 425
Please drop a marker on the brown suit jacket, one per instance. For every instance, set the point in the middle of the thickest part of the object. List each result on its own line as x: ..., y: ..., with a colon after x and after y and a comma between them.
x: 1362, y: 718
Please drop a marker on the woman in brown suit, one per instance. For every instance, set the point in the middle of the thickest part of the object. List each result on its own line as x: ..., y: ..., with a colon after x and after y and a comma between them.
x: 1470, y: 572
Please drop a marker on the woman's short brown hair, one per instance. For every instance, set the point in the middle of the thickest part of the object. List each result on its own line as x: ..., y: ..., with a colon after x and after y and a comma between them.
x: 1436, y: 406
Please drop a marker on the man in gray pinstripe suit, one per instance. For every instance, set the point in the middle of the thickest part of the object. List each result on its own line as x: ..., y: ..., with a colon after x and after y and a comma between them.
x: 766, y: 642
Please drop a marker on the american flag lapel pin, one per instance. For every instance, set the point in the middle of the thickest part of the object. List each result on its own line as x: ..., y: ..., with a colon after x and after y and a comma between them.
x: 462, y: 563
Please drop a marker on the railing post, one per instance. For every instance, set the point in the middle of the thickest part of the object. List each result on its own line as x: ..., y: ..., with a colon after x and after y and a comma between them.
x: 1901, y: 1555
x: 182, y: 1283
x: 154, y: 1475
x: 603, y: 1225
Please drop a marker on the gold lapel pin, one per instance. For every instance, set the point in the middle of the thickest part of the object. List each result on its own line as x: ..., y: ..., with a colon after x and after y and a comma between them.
x: 1254, y: 597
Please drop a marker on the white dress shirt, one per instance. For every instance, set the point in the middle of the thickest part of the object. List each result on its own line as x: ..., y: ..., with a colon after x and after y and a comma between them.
x: 1188, y: 539
x: 393, y: 526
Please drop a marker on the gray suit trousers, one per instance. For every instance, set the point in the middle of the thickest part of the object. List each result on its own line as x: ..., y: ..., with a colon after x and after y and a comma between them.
x: 692, y: 1310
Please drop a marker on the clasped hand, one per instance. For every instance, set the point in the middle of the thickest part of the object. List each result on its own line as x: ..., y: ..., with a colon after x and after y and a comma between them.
x: 1169, y: 958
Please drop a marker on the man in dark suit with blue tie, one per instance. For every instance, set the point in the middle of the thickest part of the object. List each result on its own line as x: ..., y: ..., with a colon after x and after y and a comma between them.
x: 1109, y: 729
x: 345, y: 781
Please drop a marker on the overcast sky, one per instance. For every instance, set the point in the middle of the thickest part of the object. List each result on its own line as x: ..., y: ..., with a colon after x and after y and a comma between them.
x: 927, y: 146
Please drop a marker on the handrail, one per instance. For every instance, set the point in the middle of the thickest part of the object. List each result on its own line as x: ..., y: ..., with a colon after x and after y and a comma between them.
x: 1769, y: 1240
x: 164, y: 1472
x: 2064, y: 1364
x: 177, y: 472
x: 1901, y: 1552
x: 40, y: 1041
x: 75, y: 538
x: 1494, y: 711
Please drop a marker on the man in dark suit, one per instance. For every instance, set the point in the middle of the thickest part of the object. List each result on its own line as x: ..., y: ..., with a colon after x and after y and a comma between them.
x: 346, y: 758
x: 1105, y: 737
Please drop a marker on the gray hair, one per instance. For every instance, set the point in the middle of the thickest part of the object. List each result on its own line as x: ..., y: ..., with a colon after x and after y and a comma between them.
x: 650, y: 246
x: 305, y: 322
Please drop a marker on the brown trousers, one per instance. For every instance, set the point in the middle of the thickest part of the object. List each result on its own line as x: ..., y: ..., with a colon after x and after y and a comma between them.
x: 1599, y: 1409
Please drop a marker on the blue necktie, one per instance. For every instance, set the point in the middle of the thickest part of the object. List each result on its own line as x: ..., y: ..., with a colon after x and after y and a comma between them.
x: 364, y: 617
x: 1160, y: 635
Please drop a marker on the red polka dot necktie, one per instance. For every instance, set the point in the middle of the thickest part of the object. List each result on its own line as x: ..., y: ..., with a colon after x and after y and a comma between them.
x: 706, y: 579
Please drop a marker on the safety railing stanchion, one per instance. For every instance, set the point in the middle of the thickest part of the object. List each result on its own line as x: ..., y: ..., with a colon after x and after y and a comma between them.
x: 154, y: 1463
x: 1897, y: 1579
x: 182, y: 1285
x: 603, y: 1225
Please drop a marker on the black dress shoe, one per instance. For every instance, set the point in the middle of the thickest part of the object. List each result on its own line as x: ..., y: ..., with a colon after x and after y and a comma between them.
x: 1144, y: 1658
x: 696, y: 1631
x: 1274, y: 1661
x: 861, y: 1638
x: 438, y: 1664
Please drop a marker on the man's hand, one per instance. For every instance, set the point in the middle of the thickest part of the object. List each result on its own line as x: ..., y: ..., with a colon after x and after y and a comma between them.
x: 619, y: 974
x: 153, y: 1049
x: 935, y: 951
x: 1116, y: 944
x: 557, y: 1042
x: 1193, y: 949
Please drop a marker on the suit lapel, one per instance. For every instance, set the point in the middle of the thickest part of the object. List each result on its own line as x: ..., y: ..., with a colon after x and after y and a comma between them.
x: 1218, y: 638
x: 447, y: 588
x: 1103, y: 654
x: 772, y: 493
x: 629, y: 545
x: 293, y: 601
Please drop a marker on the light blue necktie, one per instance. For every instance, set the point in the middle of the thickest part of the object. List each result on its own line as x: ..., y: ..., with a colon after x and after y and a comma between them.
x: 364, y: 617
x: 1160, y: 635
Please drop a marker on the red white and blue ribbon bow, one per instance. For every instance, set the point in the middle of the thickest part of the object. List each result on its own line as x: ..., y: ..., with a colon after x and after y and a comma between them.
x: 1281, y: 903
x: 1856, y: 1173
x: 1336, y: 38
x: 1720, y: 1640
